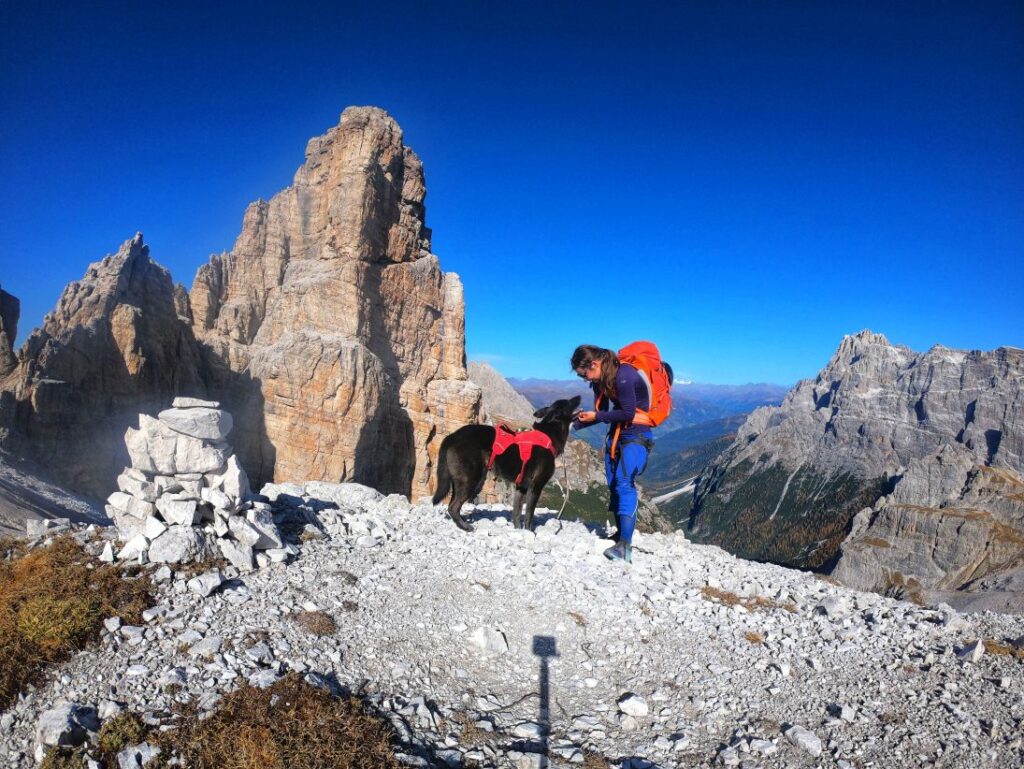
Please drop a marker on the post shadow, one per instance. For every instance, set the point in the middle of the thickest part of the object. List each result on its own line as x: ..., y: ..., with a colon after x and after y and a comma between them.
x: 544, y: 647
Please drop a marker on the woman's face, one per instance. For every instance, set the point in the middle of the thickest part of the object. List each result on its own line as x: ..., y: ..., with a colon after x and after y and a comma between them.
x: 591, y: 372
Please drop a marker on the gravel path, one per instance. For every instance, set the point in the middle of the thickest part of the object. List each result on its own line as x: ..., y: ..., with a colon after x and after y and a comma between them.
x: 507, y: 648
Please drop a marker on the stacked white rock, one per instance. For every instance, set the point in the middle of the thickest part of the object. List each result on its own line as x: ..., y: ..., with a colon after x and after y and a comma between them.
x: 186, y: 497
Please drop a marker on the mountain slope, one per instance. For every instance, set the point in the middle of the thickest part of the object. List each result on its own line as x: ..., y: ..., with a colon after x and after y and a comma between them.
x: 505, y: 648
x: 925, y: 449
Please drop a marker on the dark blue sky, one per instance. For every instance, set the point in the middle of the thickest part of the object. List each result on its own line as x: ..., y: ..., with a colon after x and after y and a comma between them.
x: 742, y: 182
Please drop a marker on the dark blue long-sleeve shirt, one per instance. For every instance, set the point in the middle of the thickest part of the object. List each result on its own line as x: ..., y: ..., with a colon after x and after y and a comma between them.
x: 631, y: 395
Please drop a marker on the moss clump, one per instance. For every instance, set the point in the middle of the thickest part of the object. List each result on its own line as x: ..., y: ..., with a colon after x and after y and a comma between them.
x: 53, y: 601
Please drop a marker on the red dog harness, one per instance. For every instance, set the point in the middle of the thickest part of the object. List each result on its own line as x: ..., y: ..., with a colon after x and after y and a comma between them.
x: 505, y: 438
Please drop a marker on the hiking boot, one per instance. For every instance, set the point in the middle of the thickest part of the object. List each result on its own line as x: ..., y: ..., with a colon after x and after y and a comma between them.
x: 620, y: 552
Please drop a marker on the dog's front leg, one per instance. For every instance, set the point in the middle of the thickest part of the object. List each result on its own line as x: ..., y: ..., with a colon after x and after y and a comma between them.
x: 517, y: 505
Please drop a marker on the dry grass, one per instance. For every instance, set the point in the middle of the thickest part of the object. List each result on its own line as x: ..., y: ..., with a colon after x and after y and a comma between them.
x: 578, y: 618
x: 117, y: 733
x: 902, y: 588
x: 64, y: 758
x: 53, y: 601
x: 315, y: 622
x: 756, y: 603
x: 195, y: 568
x: 595, y: 761
x: 754, y: 637
x: 875, y: 542
x: 1001, y: 649
x: 471, y: 735
x: 289, y: 725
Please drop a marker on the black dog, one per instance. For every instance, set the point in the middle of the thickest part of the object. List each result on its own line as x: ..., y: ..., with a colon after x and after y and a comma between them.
x: 462, y: 462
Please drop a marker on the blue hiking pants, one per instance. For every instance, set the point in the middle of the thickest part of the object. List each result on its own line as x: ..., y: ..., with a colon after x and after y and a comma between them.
x: 621, y: 474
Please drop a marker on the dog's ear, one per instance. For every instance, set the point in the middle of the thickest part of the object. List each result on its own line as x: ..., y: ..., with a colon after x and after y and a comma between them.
x: 541, y: 413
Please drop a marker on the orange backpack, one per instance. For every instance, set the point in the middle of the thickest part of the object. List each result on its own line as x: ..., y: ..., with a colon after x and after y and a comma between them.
x: 657, y: 375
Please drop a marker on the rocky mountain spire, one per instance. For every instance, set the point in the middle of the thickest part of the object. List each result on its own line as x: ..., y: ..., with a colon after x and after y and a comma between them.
x: 330, y: 327
x: 112, y: 347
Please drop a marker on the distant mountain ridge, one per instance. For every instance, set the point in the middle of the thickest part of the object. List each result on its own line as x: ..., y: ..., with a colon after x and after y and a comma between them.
x: 896, y: 471
x: 692, y: 404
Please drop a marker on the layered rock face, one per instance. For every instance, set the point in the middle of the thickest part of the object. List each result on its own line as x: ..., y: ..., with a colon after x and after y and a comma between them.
x: 330, y: 328
x: 114, y: 346
x: 329, y: 331
x: 10, y: 309
x: 924, y: 449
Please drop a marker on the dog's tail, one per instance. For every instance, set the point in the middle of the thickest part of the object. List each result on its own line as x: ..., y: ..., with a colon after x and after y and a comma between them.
x: 444, y: 478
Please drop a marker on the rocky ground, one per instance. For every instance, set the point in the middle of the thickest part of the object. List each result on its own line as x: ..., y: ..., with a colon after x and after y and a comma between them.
x: 507, y: 648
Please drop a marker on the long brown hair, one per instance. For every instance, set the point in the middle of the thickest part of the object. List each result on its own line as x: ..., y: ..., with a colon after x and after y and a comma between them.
x: 584, y: 355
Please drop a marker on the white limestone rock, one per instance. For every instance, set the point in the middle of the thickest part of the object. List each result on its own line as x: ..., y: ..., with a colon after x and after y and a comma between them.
x: 66, y: 725
x: 207, y: 424
x: 804, y: 739
x: 181, y: 512
x: 972, y: 652
x: 232, y: 480
x: 188, y: 403
x: 38, y: 527
x: 140, y: 488
x: 156, y: 448
x: 346, y: 496
x: 179, y: 544
x: 134, y: 506
x: 136, y: 547
x: 218, y: 499
x: 263, y: 522
x: 239, y: 555
x: 633, y: 705
x: 489, y: 640
x: 153, y: 528
x: 244, y: 532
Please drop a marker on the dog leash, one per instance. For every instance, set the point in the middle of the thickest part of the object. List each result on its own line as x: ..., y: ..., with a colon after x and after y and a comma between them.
x: 565, y: 496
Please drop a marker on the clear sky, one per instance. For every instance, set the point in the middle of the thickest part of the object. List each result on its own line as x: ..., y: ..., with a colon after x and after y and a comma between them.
x: 744, y: 183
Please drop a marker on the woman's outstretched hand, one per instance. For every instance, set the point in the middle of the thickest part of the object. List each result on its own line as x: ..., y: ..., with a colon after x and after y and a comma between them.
x: 586, y: 417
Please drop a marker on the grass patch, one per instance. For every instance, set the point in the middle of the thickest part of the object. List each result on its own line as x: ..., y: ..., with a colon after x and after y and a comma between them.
x: 595, y: 761
x: 895, y: 585
x: 289, y: 725
x: 754, y: 637
x: 1001, y: 649
x: 316, y: 622
x: 471, y: 735
x: 118, y: 733
x: 875, y: 542
x: 578, y: 618
x: 728, y: 598
x: 53, y: 601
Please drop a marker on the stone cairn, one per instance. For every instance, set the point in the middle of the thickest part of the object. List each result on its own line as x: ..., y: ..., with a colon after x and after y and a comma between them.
x: 186, y: 497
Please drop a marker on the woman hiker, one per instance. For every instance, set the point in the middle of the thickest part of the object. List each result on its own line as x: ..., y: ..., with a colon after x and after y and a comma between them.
x: 622, y: 400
